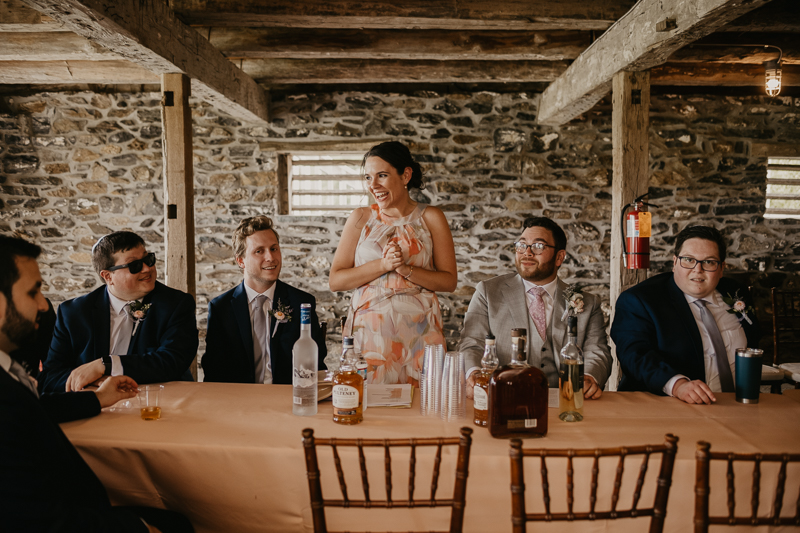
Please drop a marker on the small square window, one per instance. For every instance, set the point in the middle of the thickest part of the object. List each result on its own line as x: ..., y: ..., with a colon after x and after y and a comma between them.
x: 783, y: 188
x: 328, y: 183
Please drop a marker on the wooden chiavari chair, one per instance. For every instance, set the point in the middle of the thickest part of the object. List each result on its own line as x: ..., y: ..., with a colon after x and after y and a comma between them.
x: 702, y: 489
x: 456, y: 502
x: 657, y: 512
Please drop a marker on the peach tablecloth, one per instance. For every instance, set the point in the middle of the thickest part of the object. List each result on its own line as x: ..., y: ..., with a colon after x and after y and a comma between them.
x: 230, y: 456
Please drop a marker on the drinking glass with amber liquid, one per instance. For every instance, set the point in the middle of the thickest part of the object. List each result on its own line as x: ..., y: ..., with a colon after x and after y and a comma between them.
x: 570, y: 376
x: 518, y: 395
x: 348, y: 388
x: 148, y: 397
x: 480, y: 393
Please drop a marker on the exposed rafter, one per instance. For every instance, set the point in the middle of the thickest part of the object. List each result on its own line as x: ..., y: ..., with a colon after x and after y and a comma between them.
x: 634, y: 43
x: 61, y: 72
x: 146, y: 32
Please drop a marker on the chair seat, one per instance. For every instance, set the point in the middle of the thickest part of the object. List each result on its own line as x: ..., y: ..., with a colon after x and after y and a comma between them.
x: 791, y: 370
x: 770, y: 373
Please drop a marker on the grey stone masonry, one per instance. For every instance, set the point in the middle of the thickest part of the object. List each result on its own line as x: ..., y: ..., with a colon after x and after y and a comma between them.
x: 77, y: 166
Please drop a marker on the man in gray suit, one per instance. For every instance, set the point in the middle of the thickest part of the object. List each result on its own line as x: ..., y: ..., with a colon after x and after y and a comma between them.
x: 534, y: 298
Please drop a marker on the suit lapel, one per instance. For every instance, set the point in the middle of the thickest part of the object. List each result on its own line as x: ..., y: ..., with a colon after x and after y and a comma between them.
x: 101, y: 319
x: 241, y: 312
x: 137, y: 333
x: 683, y: 315
x: 558, y: 328
x: 281, y: 297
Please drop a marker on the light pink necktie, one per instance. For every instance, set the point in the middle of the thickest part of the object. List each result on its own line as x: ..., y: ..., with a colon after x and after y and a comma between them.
x: 538, y: 313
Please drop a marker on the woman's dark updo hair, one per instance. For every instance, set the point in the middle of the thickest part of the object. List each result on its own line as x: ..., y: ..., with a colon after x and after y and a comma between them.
x: 397, y: 155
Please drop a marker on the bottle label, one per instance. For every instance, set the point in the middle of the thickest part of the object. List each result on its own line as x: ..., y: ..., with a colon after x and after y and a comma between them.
x: 345, y: 397
x: 305, y: 315
x: 304, y: 378
x: 481, y: 399
x: 522, y: 424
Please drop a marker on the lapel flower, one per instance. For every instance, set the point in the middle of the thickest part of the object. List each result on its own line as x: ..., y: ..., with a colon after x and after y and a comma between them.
x: 138, y: 312
x: 281, y: 314
x: 573, y: 301
x: 738, y: 307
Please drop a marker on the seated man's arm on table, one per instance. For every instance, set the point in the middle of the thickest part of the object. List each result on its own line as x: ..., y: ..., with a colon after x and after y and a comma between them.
x: 214, y: 361
x: 596, y: 353
x: 473, y: 334
x: 67, y: 406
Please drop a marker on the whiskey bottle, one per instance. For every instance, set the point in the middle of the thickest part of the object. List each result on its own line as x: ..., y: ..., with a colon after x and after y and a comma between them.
x: 480, y: 392
x: 518, y: 395
x: 570, y: 376
x: 348, y: 388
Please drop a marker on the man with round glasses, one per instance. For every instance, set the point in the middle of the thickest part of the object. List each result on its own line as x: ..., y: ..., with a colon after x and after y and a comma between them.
x: 132, y: 325
x: 534, y: 298
x: 675, y: 334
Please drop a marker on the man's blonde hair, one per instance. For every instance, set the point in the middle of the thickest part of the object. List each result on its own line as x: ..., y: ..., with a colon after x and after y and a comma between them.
x: 248, y: 227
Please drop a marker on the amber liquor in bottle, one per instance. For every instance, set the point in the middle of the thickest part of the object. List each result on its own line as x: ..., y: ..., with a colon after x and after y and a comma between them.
x: 518, y: 395
x: 480, y: 393
x: 348, y: 388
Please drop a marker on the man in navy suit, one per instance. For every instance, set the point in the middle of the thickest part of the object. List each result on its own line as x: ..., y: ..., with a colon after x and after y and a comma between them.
x: 253, y: 327
x: 133, y: 325
x: 37, y: 461
x: 674, y: 332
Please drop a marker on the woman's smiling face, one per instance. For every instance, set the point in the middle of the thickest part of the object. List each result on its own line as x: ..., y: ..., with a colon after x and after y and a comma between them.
x: 385, y: 183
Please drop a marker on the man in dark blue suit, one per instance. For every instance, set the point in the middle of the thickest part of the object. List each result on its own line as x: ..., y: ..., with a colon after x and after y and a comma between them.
x: 133, y: 325
x: 677, y: 333
x: 45, y: 485
x: 253, y: 327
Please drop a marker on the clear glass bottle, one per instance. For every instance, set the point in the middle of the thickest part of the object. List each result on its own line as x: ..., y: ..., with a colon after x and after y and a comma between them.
x: 518, y: 395
x: 305, y: 354
x: 480, y: 393
x: 361, y: 366
x: 570, y: 376
x: 348, y: 388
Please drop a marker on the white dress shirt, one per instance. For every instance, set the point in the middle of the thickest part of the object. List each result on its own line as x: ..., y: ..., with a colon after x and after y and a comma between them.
x: 121, y: 332
x: 732, y: 335
x: 251, y: 300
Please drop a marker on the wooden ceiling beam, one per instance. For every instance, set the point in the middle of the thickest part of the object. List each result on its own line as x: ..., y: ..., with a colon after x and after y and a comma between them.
x: 779, y: 16
x: 735, y: 48
x: 267, y: 43
x: 718, y: 74
x: 61, y: 72
x: 634, y: 44
x: 18, y: 17
x: 147, y: 33
x: 337, y: 71
x: 528, y: 15
x: 57, y: 46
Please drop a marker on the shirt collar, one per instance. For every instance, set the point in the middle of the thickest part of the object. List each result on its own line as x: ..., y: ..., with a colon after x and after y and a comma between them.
x: 5, y: 361
x: 713, y: 299
x: 251, y: 293
x: 116, y: 304
x: 550, y: 288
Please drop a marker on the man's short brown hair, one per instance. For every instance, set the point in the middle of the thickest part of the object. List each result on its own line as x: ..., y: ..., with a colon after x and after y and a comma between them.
x: 248, y: 227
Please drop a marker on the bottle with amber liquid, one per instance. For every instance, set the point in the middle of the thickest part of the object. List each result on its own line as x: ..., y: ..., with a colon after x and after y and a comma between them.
x: 480, y: 393
x: 348, y: 388
x: 570, y: 376
x: 518, y: 395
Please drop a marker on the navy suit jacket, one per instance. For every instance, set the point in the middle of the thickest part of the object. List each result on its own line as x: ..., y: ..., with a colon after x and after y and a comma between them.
x: 45, y: 485
x: 657, y: 337
x: 162, y: 349
x: 229, y: 343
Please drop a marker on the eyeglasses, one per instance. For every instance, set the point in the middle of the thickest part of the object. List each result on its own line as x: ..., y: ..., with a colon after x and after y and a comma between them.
x: 537, y: 248
x: 136, y: 266
x: 708, y: 265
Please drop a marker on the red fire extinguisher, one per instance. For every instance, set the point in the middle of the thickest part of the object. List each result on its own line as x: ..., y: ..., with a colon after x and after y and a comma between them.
x: 637, y: 226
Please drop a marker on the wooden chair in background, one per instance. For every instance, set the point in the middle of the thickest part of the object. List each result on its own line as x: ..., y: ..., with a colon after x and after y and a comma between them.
x: 702, y: 489
x: 786, y: 333
x: 456, y: 502
x: 519, y: 516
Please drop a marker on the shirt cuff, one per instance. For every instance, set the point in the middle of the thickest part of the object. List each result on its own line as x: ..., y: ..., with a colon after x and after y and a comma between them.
x: 671, y: 384
x: 116, y: 366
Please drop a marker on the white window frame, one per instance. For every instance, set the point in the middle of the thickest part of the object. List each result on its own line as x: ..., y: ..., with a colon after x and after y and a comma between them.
x: 783, y: 188
x: 332, y: 177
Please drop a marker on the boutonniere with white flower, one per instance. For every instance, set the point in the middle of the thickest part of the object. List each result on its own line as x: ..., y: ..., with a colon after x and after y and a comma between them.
x: 738, y: 307
x: 573, y: 301
x: 138, y: 312
x: 281, y: 314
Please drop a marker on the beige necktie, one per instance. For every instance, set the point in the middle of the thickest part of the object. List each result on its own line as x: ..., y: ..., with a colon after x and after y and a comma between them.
x: 723, y: 366
x: 538, y: 312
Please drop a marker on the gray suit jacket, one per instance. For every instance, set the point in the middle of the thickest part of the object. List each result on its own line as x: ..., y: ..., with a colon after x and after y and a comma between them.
x: 499, y: 304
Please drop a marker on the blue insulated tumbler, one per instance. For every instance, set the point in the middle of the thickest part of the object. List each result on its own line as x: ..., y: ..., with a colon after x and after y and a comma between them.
x: 748, y: 374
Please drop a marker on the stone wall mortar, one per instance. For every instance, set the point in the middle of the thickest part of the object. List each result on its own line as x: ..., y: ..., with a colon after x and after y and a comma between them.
x: 77, y: 166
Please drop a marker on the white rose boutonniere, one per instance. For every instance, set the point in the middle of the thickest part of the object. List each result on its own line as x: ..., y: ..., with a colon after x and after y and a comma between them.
x: 280, y: 314
x: 573, y: 296
x: 138, y: 312
x: 738, y: 307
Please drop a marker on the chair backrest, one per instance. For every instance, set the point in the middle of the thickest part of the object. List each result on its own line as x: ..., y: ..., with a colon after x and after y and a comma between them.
x: 785, y: 323
x: 519, y: 516
x: 456, y: 502
x: 702, y: 489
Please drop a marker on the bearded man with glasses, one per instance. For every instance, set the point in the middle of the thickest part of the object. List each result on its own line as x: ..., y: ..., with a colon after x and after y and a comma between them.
x: 132, y: 325
x: 534, y: 298
x: 675, y: 335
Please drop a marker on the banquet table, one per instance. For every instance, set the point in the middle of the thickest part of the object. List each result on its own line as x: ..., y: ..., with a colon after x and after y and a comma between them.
x: 230, y: 457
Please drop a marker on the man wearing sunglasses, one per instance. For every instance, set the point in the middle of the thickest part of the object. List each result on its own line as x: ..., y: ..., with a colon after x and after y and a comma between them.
x: 132, y: 325
x: 675, y: 335
x: 533, y: 297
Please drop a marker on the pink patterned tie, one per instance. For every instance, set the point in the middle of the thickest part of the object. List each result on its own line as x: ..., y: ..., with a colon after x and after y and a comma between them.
x: 538, y: 313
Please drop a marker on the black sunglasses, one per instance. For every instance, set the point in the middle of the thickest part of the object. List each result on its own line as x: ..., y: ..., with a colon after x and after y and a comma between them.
x: 136, y: 266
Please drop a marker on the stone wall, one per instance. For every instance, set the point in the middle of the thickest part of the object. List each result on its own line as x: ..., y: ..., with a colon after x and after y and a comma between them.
x: 77, y: 166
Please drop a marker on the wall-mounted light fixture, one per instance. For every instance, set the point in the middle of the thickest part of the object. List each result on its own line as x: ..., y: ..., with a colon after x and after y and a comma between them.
x: 772, y: 74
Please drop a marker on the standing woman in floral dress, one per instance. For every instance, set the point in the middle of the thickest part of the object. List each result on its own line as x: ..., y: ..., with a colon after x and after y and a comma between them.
x: 395, y: 255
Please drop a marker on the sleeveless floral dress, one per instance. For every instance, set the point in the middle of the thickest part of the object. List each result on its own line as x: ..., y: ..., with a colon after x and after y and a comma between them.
x: 391, y: 318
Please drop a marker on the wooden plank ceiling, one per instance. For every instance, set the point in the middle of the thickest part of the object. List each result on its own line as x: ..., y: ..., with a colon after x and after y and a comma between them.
x: 302, y: 45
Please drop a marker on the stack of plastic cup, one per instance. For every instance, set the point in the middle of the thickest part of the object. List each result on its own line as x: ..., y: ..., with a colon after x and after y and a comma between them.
x: 430, y: 379
x: 453, y: 388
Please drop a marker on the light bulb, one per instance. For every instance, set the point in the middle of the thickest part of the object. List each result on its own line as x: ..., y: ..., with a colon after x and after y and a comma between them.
x: 772, y: 75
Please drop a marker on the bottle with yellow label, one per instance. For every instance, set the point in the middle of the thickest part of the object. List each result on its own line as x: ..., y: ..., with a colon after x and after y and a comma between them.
x: 348, y: 388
